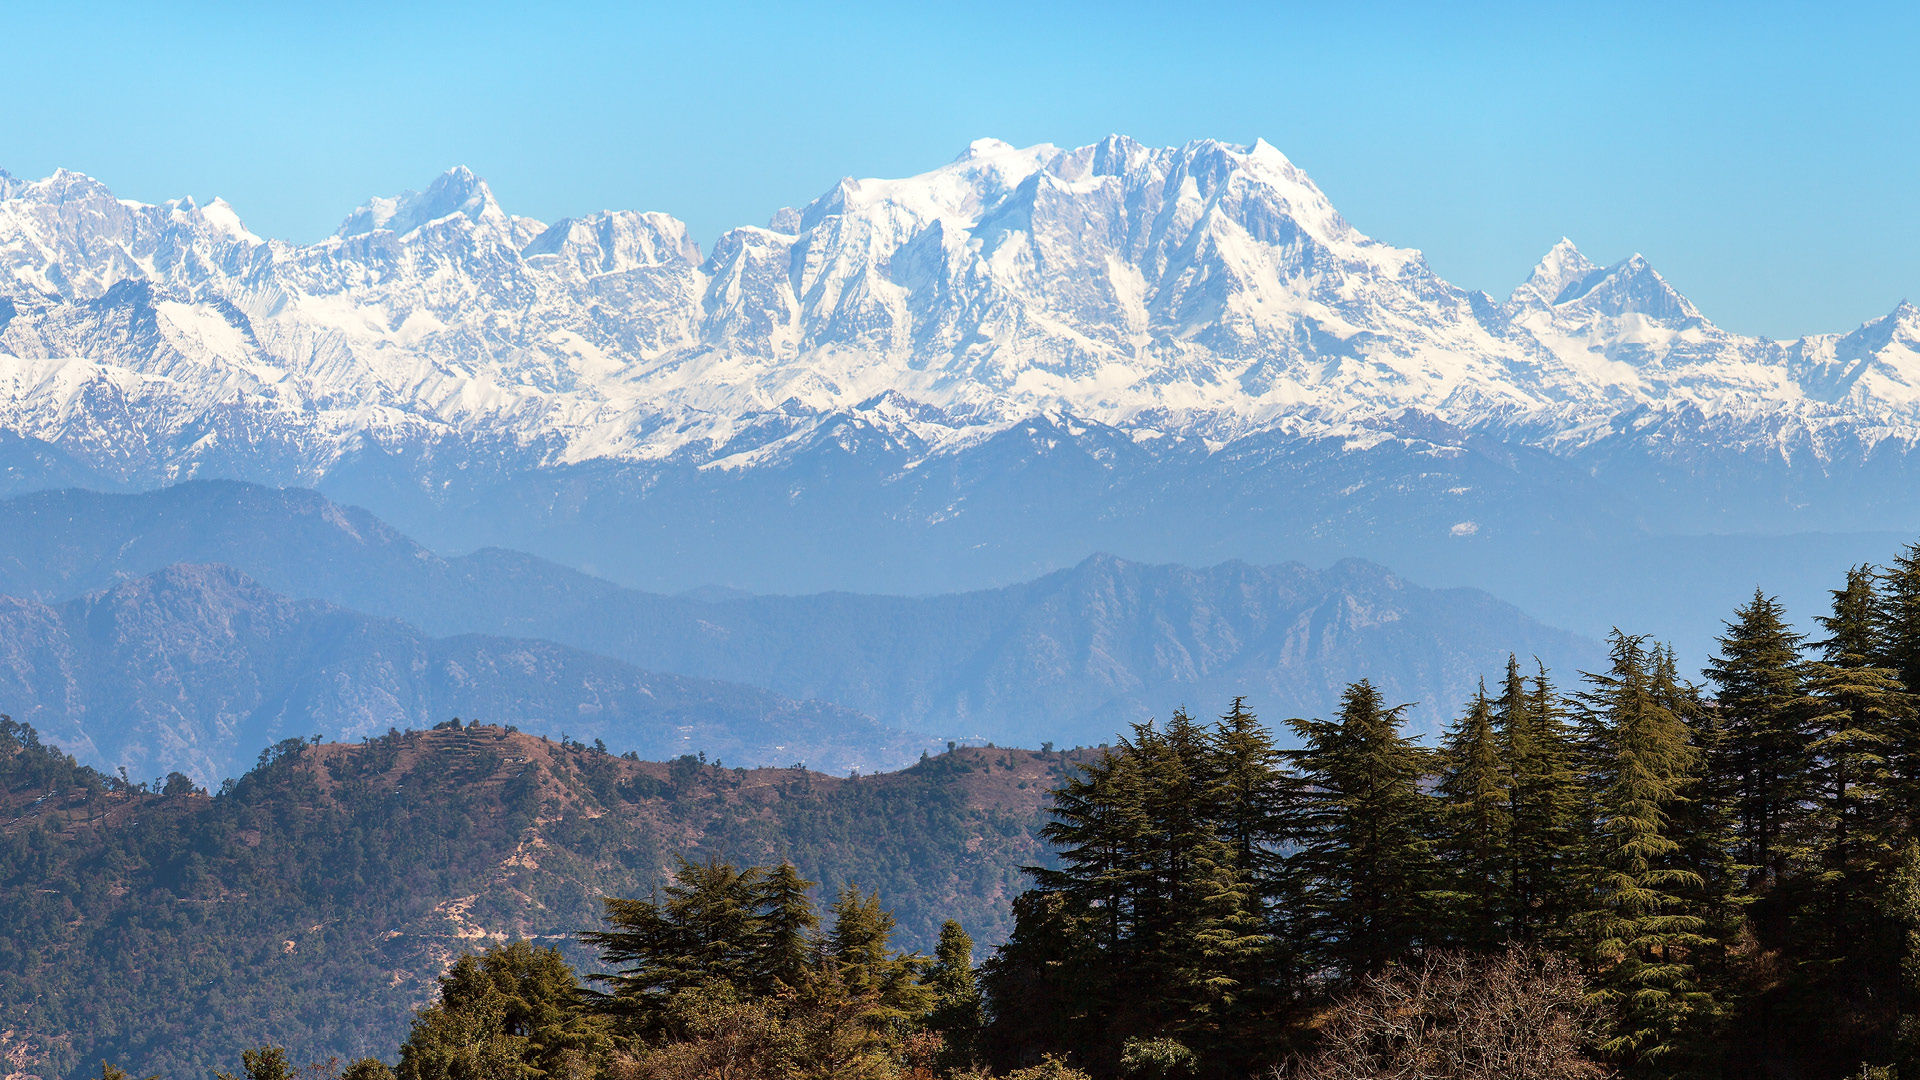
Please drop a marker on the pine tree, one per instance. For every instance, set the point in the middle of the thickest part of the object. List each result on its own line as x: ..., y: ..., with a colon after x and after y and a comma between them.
x: 1545, y: 797
x: 787, y: 922
x: 703, y: 927
x: 1363, y: 832
x: 511, y: 1011
x: 1703, y: 822
x: 1858, y: 819
x: 1896, y: 647
x: 957, y: 1013
x: 1097, y: 826
x: 1899, y: 618
x: 1250, y: 798
x: 1244, y: 903
x: 1643, y: 935
x: 1764, y: 763
x: 1476, y: 829
x: 1174, y: 940
x: 859, y: 948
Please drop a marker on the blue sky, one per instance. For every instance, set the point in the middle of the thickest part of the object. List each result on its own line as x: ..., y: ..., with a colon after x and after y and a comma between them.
x: 1764, y: 156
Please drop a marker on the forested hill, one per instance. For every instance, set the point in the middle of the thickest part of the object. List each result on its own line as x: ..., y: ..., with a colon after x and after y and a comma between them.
x: 312, y: 902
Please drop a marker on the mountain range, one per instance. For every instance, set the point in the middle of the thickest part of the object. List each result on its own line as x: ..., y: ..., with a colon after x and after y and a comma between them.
x: 964, y: 378
x: 195, y: 668
x: 188, y: 627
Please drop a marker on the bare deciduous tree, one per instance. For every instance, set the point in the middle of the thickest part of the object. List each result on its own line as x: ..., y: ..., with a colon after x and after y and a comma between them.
x: 1517, y: 1015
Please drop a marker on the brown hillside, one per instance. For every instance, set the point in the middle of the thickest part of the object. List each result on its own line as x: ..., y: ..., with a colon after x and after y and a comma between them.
x: 348, y: 876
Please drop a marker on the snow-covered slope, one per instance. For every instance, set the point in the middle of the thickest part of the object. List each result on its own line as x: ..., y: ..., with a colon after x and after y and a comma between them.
x: 1202, y: 293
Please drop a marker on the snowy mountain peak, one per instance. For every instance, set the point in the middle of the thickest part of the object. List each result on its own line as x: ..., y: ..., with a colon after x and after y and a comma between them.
x: 456, y: 191
x: 1560, y: 267
x: 1629, y: 287
x: 65, y: 186
x: 982, y: 148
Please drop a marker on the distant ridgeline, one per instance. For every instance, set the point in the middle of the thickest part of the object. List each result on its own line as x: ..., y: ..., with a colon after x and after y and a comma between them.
x: 1633, y: 876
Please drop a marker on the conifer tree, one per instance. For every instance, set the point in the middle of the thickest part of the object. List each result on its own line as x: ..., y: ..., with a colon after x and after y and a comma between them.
x: 859, y: 948
x: 1245, y: 902
x: 1899, y: 618
x: 1250, y: 798
x: 702, y: 927
x: 1475, y: 829
x: 956, y: 1013
x: 787, y: 923
x: 1704, y: 825
x: 1858, y: 818
x: 1643, y: 934
x: 1764, y: 764
x: 1896, y: 647
x: 1097, y: 826
x: 1545, y: 797
x: 1362, y: 826
x: 511, y: 1011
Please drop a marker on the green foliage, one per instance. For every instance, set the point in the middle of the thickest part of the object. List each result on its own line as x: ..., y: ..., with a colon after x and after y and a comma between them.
x: 367, y: 1069
x: 957, y: 1012
x: 1642, y: 931
x: 263, y: 1063
x: 1546, y: 801
x: 689, y: 981
x: 312, y: 903
x: 1157, y: 1059
x: 1766, y: 760
x: 1476, y: 829
x: 513, y: 1011
x: 1365, y: 835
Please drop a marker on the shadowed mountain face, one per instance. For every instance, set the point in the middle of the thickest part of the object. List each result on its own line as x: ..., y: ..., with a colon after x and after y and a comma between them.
x: 1071, y: 657
x: 196, y: 668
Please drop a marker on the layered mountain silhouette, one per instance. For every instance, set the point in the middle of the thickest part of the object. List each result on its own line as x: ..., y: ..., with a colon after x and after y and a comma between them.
x: 199, y: 668
x: 1071, y: 658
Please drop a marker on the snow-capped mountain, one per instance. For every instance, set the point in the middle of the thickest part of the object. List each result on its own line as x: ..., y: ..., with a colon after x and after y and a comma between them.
x: 1153, y: 324
x: 1208, y: 291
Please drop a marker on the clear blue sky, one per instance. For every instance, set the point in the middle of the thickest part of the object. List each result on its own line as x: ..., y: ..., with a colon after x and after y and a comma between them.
x: 1765, y: 157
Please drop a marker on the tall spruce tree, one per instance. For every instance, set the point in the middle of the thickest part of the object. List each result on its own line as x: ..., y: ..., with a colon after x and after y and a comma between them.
x: 860, y: 955
x: 787, y: 924
x: 1704, y: 825
x: 702, y: 927
x: 1476, y: 829
x: 1250, y: 798
x: 1896, y: 614
x: 1764, y: 763
x: 1643, y: 935
x: 1363, y: 829
x: 1247, y: 898
x: 1858, y: 818
x: 1545, y: 797
x: 957, y: 1014
x: 1899, y: 617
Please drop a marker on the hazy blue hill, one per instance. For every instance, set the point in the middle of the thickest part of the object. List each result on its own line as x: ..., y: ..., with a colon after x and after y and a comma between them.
x: 196, y: 667
x: 1069, y: 657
